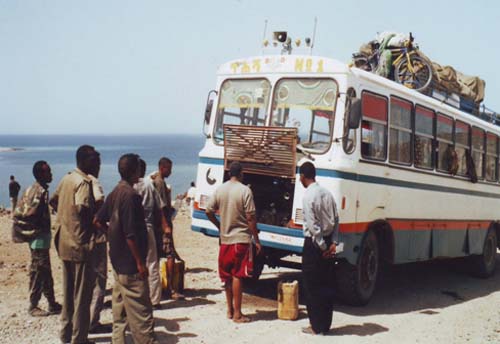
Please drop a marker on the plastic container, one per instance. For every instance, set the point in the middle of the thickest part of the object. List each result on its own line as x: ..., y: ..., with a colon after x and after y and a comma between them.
x: 288, y: 300
x: 178, y: 278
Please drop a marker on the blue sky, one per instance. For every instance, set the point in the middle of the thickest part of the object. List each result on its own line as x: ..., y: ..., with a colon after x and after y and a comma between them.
x: 121, y: 67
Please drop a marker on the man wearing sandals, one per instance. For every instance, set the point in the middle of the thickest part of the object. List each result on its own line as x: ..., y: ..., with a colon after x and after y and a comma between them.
x: 237, y: 225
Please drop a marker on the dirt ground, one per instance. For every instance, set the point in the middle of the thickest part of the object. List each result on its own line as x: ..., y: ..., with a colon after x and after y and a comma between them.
x: 433, y: 302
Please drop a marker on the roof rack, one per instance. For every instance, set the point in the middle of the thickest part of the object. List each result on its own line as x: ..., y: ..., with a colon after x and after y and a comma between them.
x: 465, y: 104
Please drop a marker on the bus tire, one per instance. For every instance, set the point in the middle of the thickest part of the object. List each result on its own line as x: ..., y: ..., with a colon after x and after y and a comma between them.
x: 355, y: 284
x: 484, y: 265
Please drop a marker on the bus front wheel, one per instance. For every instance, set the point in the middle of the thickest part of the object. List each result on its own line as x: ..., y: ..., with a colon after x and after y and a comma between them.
x: 356, y: 283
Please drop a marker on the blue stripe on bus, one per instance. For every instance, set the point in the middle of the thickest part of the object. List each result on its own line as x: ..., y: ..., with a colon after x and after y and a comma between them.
x: 212, y: 161
x: 382, y: 181
x: 297, y: 233
x: 214, y: 233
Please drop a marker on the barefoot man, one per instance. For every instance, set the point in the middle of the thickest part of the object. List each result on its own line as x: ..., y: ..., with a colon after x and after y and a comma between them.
x: 237, y: 225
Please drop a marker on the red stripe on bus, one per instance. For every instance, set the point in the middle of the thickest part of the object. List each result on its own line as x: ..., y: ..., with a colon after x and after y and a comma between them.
x: 196, y: 206
x: 418, y: 225
x: 374, y: 107
x: 478, y: 133
x: 401, y: 103
x: 445, y: 120
x: 424, y: 112
x: 423, y: 225
x: 461, y: 125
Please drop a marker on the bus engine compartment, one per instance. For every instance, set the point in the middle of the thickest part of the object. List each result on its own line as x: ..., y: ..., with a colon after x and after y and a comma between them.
x: 273, y: 197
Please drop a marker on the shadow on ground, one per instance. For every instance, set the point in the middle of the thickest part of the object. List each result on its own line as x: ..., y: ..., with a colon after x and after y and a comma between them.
x: 424, y: 287
x: 203, y: 292
x: 367, y: 329
x: 196, y: 301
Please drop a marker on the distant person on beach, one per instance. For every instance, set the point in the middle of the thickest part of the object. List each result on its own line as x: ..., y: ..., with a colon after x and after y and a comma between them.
x: 14, y: 188
x: 100, y: 263
x: 320, y: 244
x: 155, y: 221
x: 74, y: 241
x: 34, y: 210
x: 168, y: 249
x: 128, y: 242
x: 191, y: 193
x: 235, y: 202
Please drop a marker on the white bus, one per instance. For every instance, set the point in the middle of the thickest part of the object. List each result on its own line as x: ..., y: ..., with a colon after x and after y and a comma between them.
x: 413, y: 177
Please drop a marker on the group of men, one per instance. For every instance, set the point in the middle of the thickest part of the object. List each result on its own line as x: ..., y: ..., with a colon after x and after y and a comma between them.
x: 135, y: 220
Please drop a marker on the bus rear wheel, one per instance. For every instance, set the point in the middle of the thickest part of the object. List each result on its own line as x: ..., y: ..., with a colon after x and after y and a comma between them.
x: 355, y: 284
x: 483, y: 265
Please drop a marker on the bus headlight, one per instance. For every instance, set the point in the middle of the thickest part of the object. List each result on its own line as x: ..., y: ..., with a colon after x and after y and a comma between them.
x: 203, y: 201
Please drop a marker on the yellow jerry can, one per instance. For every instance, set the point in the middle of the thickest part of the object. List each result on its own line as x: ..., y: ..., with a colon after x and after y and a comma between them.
x: 288, y: 300
x: 178, y: 278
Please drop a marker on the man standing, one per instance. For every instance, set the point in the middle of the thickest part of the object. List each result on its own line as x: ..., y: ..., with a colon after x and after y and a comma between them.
x: 34, y: 210
x: 14, y: 188
x: 154, y: 218
x: 320, y: 243
x: 164, y: 171
x: 100, y: 262
x: 236, y: 228
x: 74, y: 240
x: 127, y: 249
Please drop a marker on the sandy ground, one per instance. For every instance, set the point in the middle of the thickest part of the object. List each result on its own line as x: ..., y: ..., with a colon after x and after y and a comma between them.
x: 433, y: 302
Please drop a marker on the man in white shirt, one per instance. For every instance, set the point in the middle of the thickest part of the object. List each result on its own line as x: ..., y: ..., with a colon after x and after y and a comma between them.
x: 321, y: 235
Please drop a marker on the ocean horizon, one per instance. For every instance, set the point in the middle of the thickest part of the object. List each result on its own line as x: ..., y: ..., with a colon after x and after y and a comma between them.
x: 18, y: 153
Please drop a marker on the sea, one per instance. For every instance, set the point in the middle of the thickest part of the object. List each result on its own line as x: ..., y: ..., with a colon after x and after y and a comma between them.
x: 60, y: 152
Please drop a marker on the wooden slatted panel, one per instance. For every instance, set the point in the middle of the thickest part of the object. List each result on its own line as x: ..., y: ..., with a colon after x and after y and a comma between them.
x: 261, y: 150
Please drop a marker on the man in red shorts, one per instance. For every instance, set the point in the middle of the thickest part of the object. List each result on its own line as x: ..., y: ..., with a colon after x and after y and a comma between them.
x: 237, y: 225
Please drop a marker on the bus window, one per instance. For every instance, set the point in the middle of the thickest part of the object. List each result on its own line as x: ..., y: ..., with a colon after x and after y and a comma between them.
x: 241, y: 102
x: 349, y: 136
x: 491, y: 157
x: 308, y: 105
x: 478, y: 150
x: 374, y: 126
x: 400, y: 135
x: 462, y: 144
x: 444, y: 137
x: 424, y: 136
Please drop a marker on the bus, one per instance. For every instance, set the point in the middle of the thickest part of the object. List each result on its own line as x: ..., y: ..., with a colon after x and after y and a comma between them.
x: 414, y: 178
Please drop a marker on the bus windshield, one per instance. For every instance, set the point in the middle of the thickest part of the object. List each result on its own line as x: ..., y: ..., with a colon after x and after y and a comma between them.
x: 307, y: 104
x: 241, y: 102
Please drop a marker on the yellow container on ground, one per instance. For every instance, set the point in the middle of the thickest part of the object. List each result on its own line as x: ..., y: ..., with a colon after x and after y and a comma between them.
x: 178, y: 278
x: 288, y: 300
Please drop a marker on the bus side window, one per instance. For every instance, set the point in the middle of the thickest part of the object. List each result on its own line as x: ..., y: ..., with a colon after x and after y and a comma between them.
x: 374, y: 126
x: 400, y: 134
x: 444, y: 140
x: 491, y: 157
x: 349, y: 135
x: 424, y: 137
x: 478, y: 151
x: 462, y: 146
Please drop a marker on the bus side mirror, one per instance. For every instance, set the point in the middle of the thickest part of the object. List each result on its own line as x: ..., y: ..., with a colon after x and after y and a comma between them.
x: 354, y: 113
x: 208, y: 112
